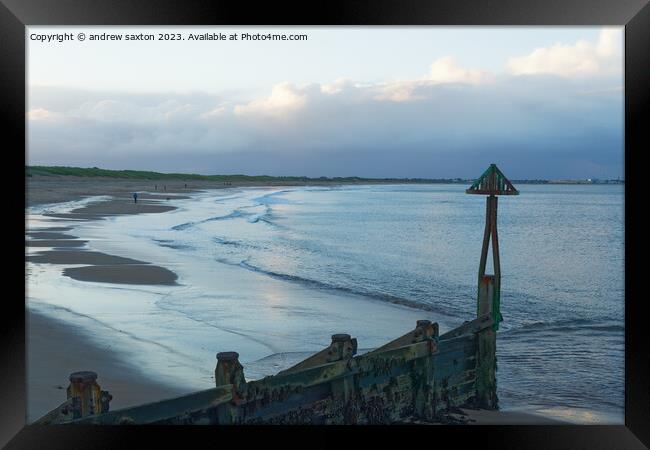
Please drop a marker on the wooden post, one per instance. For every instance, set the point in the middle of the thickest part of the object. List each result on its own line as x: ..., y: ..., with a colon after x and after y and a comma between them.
x: 496, y: 295
x: 490, y: 232
x: 343, y: 346
x: 86, y: 395
x: 486, y: 386
x: 230, y: 371
x: 424, y: 402
x: 486, y: 240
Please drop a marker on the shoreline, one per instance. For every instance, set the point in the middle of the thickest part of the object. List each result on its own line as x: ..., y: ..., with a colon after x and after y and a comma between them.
x: 55, y: 349
x: 66, y: 249
x: 114, y: 370
x: 41, y: 190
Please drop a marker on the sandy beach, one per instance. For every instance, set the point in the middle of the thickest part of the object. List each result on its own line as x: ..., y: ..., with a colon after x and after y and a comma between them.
x: 52, y: 189
x: 101, y: 268
x: 55, y: 348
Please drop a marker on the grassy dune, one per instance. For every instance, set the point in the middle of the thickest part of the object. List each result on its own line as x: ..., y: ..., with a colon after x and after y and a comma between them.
x: 147, y: 175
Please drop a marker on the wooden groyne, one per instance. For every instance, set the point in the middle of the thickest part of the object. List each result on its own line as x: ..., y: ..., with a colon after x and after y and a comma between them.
x: 421, y: 375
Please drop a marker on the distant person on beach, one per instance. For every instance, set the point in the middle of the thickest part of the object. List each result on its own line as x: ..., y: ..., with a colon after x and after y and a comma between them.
x: 185, y: 185
x: 135, y: 197
x: 155, y: 187
x: 165, y: 187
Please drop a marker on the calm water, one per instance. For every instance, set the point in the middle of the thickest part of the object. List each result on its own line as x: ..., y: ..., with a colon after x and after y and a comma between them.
x: 562, y: 339
x: 275, y: 271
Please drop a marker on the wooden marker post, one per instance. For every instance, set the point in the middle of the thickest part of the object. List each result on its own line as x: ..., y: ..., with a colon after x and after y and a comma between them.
x: 491, y: 183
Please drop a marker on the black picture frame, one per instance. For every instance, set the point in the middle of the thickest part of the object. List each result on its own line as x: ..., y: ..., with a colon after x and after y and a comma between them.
x: 15, y: 15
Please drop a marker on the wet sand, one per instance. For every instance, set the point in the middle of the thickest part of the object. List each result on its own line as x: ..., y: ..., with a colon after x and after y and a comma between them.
x: 72, y: 257
x: 124, y: 206
x: 55, y: 349
x: 485, y: 417
x: 55, y: 243
x: 101, y: 267
x: 123, y: 273
x: 49, y: 235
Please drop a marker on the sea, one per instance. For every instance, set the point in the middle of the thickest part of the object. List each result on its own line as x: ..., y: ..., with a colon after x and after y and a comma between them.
x: 272, y: 272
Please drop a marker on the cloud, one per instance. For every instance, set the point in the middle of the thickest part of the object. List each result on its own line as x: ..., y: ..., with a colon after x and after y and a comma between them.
x: 285, y: 98
x: 446, y: 70
x: 35, y: 114
x: 219, y: 111
x: 337, y: 86
x: 398, y: 91
x: 451, y: 120
x: 581, y: 59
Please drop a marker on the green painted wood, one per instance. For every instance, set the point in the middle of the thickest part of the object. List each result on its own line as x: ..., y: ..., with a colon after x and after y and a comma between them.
x: 492, y: 182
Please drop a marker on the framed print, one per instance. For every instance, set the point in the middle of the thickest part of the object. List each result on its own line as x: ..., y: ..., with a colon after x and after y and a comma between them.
x: 362, y: 218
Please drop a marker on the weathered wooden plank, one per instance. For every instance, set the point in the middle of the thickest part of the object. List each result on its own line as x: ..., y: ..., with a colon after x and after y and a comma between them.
x: 301, y: 379
x: 341, y: 347
x: 473, y: 326
x: 61, y: 413
x: 256, y: 411
x: 454, y: 342
x: 377, y: 361
x: 462, y: 377
x: 444, y: 371
x: 459, y: 349
x: 486, y: 369
x: 162, y: 410
x: 456, y: 354
x: 424, y: 330
x: 366, y: 380
x: 460, y: 398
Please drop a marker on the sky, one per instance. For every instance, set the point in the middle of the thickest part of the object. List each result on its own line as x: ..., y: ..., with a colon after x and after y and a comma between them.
x: 430, y: 102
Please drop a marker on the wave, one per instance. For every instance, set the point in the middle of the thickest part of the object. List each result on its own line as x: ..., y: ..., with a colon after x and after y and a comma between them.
x: 568, y: 325
x: 224, y: 241
x: 225, y: 198
x: 66, y: 207
x: 183, y: 226
x: 262, y: 217
x: 233, y: 215
x: 173, y: 244
x: 271, y: 198
x: 327, y: 286
x: 595, y: 325
x: 236, y: 214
